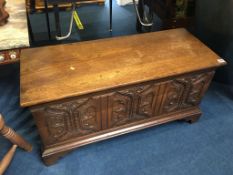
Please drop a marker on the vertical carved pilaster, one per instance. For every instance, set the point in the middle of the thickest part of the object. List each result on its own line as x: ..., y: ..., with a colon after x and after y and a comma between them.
x: 172, y: 97
x: 146, y: 100
x: 120, y: 108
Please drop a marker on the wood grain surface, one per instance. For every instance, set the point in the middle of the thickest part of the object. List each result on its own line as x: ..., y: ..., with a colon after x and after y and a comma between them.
x: 57, y: 72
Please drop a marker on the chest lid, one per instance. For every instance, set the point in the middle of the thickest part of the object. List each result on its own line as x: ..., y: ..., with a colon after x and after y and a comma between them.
x: 56, y: 72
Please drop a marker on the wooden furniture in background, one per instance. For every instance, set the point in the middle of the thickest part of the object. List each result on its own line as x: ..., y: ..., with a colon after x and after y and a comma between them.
x: 91, y: 91
x: 14, y: 35
x: 56, y: 5
x: 16, y: 139
x: 173, y: 13
x: 38, y: 5
x: 3, y: 13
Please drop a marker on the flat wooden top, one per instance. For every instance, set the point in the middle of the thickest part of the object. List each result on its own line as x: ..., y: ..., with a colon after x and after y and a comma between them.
x: 56, y: 72
x: 14, y: 34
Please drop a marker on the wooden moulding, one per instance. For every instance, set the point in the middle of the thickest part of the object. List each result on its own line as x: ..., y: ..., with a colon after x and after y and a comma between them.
x: 51, y: 154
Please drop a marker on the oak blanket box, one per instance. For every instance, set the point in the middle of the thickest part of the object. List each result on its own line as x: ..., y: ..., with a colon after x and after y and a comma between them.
x: 90, y: 91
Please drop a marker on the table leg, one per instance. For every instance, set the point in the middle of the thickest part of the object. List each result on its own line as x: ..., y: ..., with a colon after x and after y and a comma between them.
x: 32, y: 6
x: 30, y: 28
x: 47, y: 18
x: 140, y: 10
x: 110, y: 11
x: 57, y: 20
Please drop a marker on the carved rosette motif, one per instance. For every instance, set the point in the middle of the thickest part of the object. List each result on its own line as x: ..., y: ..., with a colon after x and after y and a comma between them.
x: 78, y: 117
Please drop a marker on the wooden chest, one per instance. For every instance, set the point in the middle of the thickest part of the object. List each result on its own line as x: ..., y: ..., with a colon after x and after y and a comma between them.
x: 90, y: 91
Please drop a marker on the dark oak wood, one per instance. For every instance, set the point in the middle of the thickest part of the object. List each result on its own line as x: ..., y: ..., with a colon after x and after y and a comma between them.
x: 12, y: 136
x: 86, y: 92
x: 4, y: 15
x: 69, y: 70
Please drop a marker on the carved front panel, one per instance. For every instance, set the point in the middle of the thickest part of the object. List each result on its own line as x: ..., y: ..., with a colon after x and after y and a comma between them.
x: 198, y: 86
x: 185, y: 92
x: 146, y: 100
x: 78, y: 117
x: 74, y: 118
x: 119, y: 108
x: 132, y: 104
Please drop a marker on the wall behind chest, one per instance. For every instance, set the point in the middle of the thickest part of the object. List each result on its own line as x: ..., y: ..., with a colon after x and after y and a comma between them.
x: 215, y: 28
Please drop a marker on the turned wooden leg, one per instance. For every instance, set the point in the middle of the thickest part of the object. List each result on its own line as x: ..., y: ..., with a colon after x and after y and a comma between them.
x: 192, y: 119
x: 7, y: 159
x: 11, y: 135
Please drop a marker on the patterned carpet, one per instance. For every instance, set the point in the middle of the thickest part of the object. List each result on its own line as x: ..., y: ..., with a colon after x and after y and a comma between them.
x: 203, y: 148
